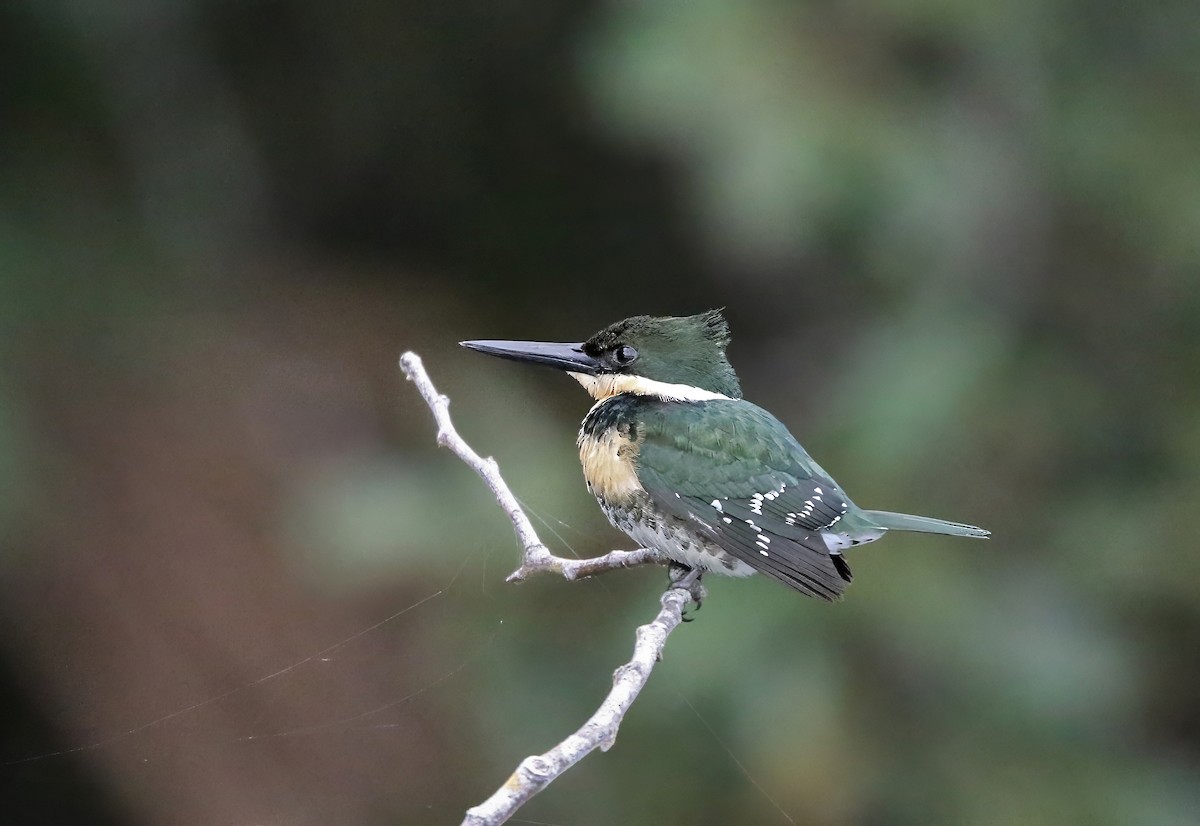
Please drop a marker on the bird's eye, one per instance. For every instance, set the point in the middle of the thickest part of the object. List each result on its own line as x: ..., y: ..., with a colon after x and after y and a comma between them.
x: 624, y: 354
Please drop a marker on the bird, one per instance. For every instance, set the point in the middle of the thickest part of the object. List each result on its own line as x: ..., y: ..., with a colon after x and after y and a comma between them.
x: 681, y: 463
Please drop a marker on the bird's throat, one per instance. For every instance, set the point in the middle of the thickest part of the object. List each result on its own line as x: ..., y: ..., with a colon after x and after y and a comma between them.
x: 606, y: 385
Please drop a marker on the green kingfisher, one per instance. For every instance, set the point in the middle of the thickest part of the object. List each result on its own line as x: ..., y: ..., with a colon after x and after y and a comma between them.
x: 680, y: 462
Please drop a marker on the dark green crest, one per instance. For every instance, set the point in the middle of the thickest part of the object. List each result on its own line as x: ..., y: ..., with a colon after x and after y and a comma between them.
x: 676, y: 350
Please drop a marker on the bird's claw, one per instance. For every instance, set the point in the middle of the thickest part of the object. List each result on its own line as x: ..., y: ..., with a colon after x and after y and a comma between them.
x: 688, y: 579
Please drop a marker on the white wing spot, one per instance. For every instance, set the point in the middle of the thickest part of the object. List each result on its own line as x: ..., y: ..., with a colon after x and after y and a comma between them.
x: 716, y: 503
x: 726, y: 520
x: 818, y: 490
x: 764, y: 553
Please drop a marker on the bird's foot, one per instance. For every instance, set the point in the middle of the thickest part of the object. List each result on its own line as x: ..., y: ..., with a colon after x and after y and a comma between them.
x: 681, y: 576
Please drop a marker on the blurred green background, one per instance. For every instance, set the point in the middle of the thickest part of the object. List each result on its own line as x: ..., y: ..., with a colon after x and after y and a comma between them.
x: 958, y: 247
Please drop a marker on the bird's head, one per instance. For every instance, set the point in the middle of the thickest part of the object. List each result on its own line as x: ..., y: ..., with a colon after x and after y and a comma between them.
x: 674, y: 357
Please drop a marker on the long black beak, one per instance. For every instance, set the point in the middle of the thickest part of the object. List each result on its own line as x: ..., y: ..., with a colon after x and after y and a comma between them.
x: 563, y: 356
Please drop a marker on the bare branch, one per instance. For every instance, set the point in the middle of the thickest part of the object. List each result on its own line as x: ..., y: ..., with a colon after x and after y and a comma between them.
x: 600, y: 731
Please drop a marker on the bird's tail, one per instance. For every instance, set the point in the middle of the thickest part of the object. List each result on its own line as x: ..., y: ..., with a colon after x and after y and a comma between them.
x: 924, y: 524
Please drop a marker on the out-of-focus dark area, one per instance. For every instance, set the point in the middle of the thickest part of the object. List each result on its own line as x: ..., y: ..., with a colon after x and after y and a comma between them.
x: 958, y: 247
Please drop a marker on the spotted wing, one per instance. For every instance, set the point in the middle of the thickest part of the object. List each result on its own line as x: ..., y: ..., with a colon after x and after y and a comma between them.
x: 732, y: 470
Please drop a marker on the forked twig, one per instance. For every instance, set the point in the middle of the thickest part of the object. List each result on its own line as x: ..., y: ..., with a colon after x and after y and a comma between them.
x: 600, y: 731
x: 536, y: 557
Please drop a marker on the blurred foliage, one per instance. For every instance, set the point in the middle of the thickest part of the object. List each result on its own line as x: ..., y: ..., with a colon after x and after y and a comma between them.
x: 957, y: 245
